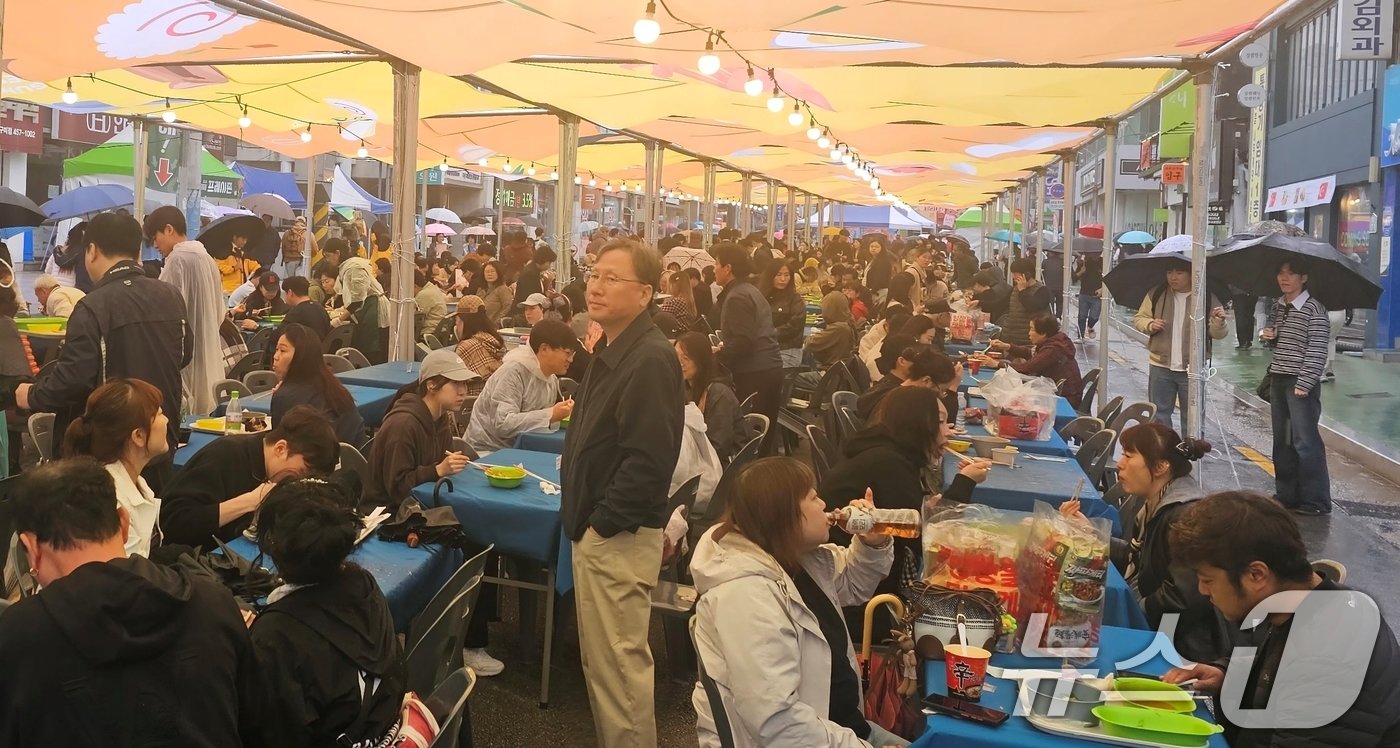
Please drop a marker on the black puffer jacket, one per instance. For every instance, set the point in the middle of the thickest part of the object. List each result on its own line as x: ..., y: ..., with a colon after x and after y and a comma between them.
x: 789, y: 316
x: 331, y: 662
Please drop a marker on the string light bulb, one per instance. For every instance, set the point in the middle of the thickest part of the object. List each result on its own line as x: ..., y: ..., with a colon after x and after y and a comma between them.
x: 530, y: 172
x: 875, y: 183
x: 443, y: 167
x: 813, y: 132
x: 608, y: 188
x: 71, y: 97
x: 753, y: 86
x: 795, y: 116
x: 506, y: 167
x: 709, y: 62
x: 169, y: 114
x: 578, y: 179
x: 835, y: 153
x: 849, y: 160
x: 592, y: 181
x: 363, y: 152
x: 646, y: 30
x: 306, y: 134
x: 824, y: 141
x: 245, y: 122
x: 775, y: 102
x: 481, y: 161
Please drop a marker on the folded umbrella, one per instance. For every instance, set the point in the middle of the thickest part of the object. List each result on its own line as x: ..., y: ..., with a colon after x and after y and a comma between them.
x: 1134, y: 277
x: 1251, y: 261
x: 217, y: 237
x: 16, y: 210
x: 83, y: 201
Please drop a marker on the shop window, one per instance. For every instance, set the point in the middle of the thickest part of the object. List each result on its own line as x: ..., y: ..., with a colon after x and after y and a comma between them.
x: 1354, y: 222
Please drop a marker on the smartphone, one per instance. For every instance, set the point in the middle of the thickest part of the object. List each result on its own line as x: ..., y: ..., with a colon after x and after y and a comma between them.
x: 714, y: 339
x: 955, y: 707
x: 1135, y: 674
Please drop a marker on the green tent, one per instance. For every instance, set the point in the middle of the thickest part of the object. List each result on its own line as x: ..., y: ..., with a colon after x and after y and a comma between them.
x: 119, y: 158
x: 972, y: 218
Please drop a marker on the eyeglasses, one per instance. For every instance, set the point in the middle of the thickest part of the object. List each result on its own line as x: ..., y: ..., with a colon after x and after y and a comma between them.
x: 609, y: 280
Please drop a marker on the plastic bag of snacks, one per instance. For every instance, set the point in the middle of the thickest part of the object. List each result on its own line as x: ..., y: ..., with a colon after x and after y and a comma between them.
x: 964, y: 326
x: 1020, y: 406
x: 1063, y: 570
x: 972, y: 548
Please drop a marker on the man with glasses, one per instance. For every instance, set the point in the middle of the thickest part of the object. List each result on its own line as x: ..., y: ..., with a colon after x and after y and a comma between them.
x: 624, y: 439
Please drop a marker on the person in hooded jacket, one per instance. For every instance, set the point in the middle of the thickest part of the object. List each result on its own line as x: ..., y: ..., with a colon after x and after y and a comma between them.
x: 325, y: 641
x: 837, y: 339
x: 1051, y: 354
x: 990, y: 294
x: 116, y: 652
x: 523, y: 395
x: 784, y: 672
x: 414, y: 443
x: 905, y: 435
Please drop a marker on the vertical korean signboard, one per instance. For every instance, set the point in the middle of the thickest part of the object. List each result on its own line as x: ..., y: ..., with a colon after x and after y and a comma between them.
x: 1365, y: 29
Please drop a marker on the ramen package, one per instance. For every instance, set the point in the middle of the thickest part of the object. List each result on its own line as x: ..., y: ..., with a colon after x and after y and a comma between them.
x: 964, y: 326
x: 1021, y: 406
x: 1063, y: 570
x: 972, y: 547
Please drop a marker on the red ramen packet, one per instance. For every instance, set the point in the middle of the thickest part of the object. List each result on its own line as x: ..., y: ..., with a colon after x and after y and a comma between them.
x: 1063, y: 570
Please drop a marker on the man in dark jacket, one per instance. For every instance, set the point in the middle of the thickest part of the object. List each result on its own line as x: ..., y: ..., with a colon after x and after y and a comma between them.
x: 749, y: 342
x: 530, y: 281
x: 964, y: 264
x: 219, y: 489
x: 1028, y: 298
x: 269, y: 245
x: 130, y: 326
x: 991, y: 294
x: 1338, y: 684
x: 302, y: 310
x: 624, y: 440
x: 116, y: 652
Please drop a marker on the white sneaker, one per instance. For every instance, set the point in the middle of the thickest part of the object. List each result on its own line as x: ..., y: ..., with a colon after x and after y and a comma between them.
x: 1092, y: 333
x: 484, y: 664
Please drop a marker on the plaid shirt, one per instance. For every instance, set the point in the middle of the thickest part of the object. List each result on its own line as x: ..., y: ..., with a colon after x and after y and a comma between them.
x: 482, y: 353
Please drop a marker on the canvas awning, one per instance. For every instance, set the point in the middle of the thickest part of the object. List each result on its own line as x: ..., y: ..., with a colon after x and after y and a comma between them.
x: 345, y: 193
x: 283, y: 184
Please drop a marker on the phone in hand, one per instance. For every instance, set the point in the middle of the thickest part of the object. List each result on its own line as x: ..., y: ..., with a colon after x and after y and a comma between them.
x: 962, y: 709
x: 714, y: 340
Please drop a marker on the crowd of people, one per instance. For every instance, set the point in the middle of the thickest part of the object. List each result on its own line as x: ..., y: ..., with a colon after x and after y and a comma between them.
x: 652, y: 366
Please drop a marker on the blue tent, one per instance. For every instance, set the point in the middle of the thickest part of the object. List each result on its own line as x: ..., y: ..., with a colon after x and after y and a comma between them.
x: 257, y: 181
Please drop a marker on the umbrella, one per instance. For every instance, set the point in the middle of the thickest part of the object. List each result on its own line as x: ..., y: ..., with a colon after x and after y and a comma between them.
x: 1092, y: 230
x: 17, y: 210
x: 478, y: 231
x: 1250, y: 262
x: 1137, y: 276
x: 512, y: 221
x: 1278, y: 227
x: 1080, y: 245
x: 586, y: 226
x: 217, y: 237
x: 442, y: 214
x: 531, y: 221
x: 1135, y: 237
x: 268, y: 204
x: 1180, y: 243
x: 483, y: 213
x: 1004, y: 236
x: 437, y: 229
x: 688, y: 258
x: 85, y: 200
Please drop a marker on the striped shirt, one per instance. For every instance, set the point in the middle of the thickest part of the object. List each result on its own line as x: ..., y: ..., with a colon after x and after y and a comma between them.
x: 1301, y: 336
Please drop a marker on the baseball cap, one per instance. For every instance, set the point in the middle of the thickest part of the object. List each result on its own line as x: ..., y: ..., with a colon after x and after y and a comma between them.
x: 270, y: 280
x: 470, y: 303
x: 811, y: 263
x: 535, y: 299
x: 445, y: 363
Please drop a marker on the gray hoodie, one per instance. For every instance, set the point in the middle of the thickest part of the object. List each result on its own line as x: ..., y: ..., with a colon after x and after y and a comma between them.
x: 516, y: 399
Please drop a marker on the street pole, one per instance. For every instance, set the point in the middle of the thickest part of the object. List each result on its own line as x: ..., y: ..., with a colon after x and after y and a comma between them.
x: 138, y: 170
x: 191, y: 178
x: 807, y: 222
x: 1038, y: 198
x: 406, y: 79
x: 564, y: 201
x: 1110, y: 181
x: 658, y: 215
x: 790, y: 218
x: 310, y: 213
x: 1067, y: 231
x: 708, y: 214
x: 770, y: 218
x: 649, y: 188
x: 1200, y: 229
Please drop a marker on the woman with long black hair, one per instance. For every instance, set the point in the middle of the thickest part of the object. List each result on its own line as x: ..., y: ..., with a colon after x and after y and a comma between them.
x: 304, y: 379
x: 777, y: 284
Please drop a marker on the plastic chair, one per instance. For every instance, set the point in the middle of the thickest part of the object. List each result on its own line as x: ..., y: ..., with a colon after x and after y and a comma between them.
x: 460, y: 445
x: 1093, y: 456
x: 567, y: 387
x: 224, y: 389
x: 354, y: 356
x: 453, y: 693
x: 338, y: 338
x: 351, y: 459
x: 446, y: 330
x: 261, y: 339
x: 434, y: 641
x: 259, y: 381
x: 40, y: 428
x: 756, y: 426
x: 1081, y: 428
x: 747, y: 406
x: 432, y: 341
x: 844, y: 399
x: 851, y: 424
x: 822, y: 450
x: 251, y: 362
x: 1091, y: 388
x: 421, y: 352
x: 1110, y: 410
x: 1137, y: 412
x: 338, y: 364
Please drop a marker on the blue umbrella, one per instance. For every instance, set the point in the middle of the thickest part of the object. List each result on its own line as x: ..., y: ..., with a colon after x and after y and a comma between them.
x: 1003, y: 235
x: 1136, y: 237
x: 85, y: 200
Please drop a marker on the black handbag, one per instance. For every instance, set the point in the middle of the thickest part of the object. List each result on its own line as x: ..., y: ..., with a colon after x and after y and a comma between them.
x: 1265, y: 390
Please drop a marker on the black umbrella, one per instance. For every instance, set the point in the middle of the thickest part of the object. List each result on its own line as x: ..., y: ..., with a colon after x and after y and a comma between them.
x: 1251, y: 261
x: 217, y: 237
x: 1081, y: 245
x: 17, y: 210
x: 1136, y: 276
x: 485, y: 213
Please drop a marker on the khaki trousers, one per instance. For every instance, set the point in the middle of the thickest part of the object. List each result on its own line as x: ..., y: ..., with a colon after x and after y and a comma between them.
x: 613, y: 579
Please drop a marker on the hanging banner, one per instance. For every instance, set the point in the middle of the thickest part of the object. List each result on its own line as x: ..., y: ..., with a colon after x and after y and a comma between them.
x: 1364, y: 29
x: 1254, y: 194
x: 1302, y: 194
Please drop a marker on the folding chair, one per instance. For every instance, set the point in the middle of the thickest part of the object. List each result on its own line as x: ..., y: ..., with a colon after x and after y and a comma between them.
x: 354, y: 356
x: 453, y: 693
x: 1081, y: 428
x: 1093, y: 456
x: 338, y: 364
x: 1091, y: 388
x: 434, y: 643
x: 257, y: 381
x: 338, y: 338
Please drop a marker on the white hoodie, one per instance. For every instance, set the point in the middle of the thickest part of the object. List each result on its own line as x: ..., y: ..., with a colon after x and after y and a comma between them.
x: 764, y: 647
x: 517, y: 398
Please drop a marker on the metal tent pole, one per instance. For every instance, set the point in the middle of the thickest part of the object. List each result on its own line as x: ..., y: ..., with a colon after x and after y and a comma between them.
x: 1110, y: 181
x: 406, y: 79
x: 1200, y: 228
x: 708, y: 213
x: 790, y: 218
x: 807, y: 219
x: 746, y: 211
x: 565, y: 201
x: 138, y: 172
x: 771, y: 212
x: 310, y: 213
x: 649, y: 188
x: 1037, y: 195
x: 1067, y: 168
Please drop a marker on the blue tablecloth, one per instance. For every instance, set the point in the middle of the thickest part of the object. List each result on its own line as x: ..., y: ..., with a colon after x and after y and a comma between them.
x: 1120, y: 606
x: 958, y: 349
x: 522, y: 521
x: 1056, y: 446
x: 372, y: 402
x: 408, y: 577
x: 198, y: 440
x: 1030, y: 481
x: 391, y: 375
x: 1116, y: 645
x: 1064, y: 412
x: 541, y: 441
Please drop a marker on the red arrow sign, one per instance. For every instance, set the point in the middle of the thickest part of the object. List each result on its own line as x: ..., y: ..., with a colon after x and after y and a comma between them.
x: 163, y: 173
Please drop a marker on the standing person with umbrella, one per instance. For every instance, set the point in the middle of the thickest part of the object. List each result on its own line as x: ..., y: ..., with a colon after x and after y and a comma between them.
x: 1300, y: 332
x: 268, y: 244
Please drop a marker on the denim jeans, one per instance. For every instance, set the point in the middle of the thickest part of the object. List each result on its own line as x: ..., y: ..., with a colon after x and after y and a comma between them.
x: 1089, y: 307
x: 1300, y: 459
x: 1167, y: 389
x: 1244, y: 318
x: 293, y: 268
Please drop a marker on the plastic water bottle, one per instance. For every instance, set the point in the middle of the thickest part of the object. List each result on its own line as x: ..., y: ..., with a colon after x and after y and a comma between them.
x: 961, y: 418
x: 233, y: 414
